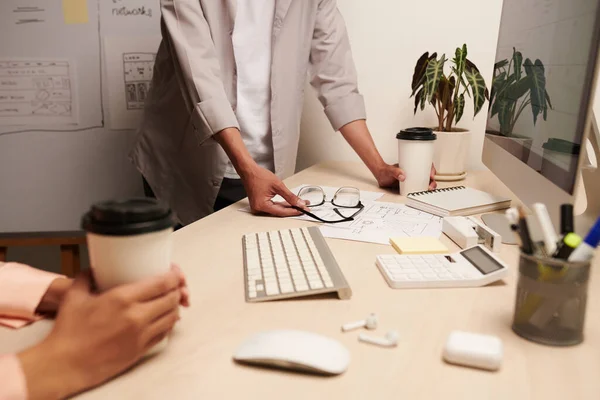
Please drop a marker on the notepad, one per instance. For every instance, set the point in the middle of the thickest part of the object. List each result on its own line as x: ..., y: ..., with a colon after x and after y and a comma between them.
x: 457, y: 200
x: 418, y: 245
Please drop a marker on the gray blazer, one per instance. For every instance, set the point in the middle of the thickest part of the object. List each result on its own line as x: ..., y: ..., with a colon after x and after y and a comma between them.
x: 193, y: 93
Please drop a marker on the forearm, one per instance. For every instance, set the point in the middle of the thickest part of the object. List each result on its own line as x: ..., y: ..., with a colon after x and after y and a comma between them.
x: 44, y: 373
x: 358, y: 136
x: 231, y: 141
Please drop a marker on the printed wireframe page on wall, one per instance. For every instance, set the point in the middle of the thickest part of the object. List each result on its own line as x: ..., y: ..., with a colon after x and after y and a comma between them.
x: 38, y: 92
x: 129, y: 67
x: 124, y: 17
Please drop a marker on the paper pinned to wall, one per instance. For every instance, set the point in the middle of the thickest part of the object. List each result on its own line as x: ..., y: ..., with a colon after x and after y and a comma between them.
x: 129, y: 67
x: 37, y: 92
x: 75, y: 11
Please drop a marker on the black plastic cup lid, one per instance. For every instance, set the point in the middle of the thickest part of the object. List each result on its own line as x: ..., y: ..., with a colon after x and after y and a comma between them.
x: 127, y: 217
x: 416, y: 134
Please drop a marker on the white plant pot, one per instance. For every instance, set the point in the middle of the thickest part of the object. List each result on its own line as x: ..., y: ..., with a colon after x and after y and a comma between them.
x: 450, y: 153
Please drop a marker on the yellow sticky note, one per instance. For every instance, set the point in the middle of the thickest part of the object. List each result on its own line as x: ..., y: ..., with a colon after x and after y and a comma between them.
x: 418, y: 245
x: 75, y: 11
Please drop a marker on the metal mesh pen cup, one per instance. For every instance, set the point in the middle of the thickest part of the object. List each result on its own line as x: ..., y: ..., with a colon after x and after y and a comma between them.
x: 551, y: 300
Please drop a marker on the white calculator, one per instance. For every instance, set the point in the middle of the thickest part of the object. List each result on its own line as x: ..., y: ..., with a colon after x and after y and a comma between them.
x: 472, y: 267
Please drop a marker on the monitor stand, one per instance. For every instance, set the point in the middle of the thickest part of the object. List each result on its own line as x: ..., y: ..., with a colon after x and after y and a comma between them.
x: 591, y: 192
x: 591, y: 184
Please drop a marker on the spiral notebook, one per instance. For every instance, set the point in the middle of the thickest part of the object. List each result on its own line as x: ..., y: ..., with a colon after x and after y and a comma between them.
x: 457, y: 200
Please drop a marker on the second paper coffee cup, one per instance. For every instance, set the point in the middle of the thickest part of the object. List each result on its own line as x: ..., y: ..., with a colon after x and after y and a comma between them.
x: 415, y: 156
x: 128, y: 241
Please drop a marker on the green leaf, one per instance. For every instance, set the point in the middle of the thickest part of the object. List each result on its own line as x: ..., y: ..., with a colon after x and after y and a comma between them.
x: 478, y: 88
x: 433, y: 74
x: 419, y: 74
x: 537, y: 94
x: 418, y: 99
x: 504, y: 115
x: 459, y: 108
x: 495, y: 107
x: 470, y: 66
x: 500, y: 64
x: 445, y: 91
x: 517, y: 63
x: 460, y: 58
x: 519, y: 89
x: 548, y: 100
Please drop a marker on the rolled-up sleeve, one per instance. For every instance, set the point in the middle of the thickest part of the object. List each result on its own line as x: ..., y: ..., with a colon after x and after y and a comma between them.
x: 189, y: 40
x: 21, y: 289
x: 13, y: 386
x: 333, y: 73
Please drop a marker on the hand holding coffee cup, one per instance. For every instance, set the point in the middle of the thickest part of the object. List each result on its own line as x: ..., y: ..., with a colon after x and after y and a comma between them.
x: 415, y: 158
x: 129, y: 241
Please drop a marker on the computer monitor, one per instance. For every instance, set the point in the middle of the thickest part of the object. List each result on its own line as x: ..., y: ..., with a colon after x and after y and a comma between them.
x: 540, y: 116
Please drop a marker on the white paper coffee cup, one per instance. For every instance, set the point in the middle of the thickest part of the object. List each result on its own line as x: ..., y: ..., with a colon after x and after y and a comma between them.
x: 415, y: 156
x: 129, y: 241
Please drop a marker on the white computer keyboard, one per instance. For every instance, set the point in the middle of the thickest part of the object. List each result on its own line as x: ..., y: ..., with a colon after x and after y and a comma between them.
x: 290, y: 263
x: 475, y: 266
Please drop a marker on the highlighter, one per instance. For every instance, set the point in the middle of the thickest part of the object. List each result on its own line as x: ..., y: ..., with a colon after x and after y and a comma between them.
x: 569, y: 243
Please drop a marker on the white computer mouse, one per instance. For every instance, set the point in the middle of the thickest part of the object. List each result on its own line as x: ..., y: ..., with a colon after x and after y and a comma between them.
x: 295, y: 350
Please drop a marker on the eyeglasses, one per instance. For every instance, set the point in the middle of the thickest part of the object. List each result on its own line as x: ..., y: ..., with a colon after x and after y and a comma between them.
x: 345, y: 197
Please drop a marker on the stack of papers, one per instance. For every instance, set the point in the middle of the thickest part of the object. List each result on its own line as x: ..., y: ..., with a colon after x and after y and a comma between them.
x: 377, y: 223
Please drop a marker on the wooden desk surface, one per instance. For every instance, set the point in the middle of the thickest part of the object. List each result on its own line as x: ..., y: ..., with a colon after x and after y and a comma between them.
x: 198, y: 363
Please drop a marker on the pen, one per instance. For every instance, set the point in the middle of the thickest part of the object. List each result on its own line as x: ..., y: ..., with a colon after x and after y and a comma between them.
x: 550, y: 237
x: 566, y: 219
x: 569, y: 243
x: 526, y: 245
x: 585, y: 251
x: 512, y: 214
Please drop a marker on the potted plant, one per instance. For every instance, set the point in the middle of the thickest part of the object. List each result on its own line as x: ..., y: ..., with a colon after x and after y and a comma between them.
x: 517, y: 85
x: 446, y: 93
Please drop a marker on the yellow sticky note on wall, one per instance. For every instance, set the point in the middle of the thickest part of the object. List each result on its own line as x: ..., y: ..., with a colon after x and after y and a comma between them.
x: 75, y: 11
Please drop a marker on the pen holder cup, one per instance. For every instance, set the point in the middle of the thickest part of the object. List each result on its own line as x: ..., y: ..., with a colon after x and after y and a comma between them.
x: 551, y: 300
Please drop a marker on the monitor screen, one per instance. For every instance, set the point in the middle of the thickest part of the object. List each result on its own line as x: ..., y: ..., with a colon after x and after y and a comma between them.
x: 545, y: 61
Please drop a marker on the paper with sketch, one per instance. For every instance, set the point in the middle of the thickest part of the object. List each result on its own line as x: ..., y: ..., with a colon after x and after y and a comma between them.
x: 129, y: 68
x: 379, y: 221
x: 37, y: 92
x: 325, y: 211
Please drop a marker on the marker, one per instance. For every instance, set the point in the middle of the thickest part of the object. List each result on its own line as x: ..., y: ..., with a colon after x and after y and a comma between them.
x: 526, y: 245
x: 550, y: 237
x: 512, y: 214
x: 585, y: 251
x: 569, y: 243
x: 566, y: 219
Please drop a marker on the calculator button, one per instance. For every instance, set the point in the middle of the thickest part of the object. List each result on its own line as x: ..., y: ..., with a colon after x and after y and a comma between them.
x: 430, y: 276
x: 401, y: 277
x: 410, y: 271
x: 415, y: 277
x: 414, y: 257
x: 445, y: 275
x: 419, y: 262
x: 428, y: 257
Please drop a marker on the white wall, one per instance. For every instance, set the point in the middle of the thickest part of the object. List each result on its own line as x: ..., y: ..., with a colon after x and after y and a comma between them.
x: 387, y: 38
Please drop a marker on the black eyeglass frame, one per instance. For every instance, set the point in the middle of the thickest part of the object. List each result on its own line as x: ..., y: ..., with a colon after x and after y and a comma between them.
x: 360, y: 206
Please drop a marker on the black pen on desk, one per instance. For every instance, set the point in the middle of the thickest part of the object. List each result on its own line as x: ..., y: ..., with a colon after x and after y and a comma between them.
x: 526, y: 245
x: 566, y: 219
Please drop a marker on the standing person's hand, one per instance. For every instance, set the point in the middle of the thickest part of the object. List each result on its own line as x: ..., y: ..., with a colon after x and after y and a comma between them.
x: 389, y: 176
x: 261, y: 186
x: 97, y: 336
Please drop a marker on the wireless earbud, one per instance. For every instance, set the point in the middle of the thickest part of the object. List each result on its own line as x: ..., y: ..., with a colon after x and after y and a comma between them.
x: 390, y: 339
x: 370, y: 323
